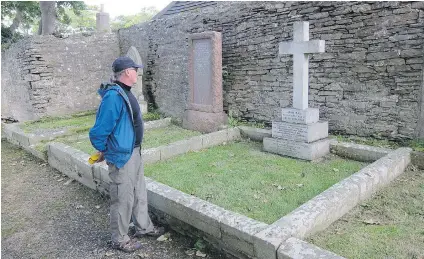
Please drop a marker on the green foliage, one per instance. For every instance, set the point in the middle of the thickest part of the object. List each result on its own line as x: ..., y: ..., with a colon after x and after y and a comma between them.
x: 151, y: 116
x: 125, y: 21
x: 234, y: 122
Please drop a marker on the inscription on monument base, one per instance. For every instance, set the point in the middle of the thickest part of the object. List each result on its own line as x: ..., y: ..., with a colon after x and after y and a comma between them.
x: 307, y: 151
x: 300, y: 132
x: 307, y: 116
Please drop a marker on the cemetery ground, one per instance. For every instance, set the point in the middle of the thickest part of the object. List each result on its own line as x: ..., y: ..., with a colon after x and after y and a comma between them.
x: 240, y: 177
x: 388, y: 225
x: 46, y: 216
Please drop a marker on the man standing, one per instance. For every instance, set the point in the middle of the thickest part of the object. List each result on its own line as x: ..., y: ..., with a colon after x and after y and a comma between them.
x: 117, y: 135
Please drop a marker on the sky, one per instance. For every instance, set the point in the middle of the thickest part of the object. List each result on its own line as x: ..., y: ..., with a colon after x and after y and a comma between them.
x: 127, y: 7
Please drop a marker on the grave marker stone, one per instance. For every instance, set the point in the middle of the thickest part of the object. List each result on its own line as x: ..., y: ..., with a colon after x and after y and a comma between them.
x: 300, y: 134
x: 138, y: 88
x: 205, y: 105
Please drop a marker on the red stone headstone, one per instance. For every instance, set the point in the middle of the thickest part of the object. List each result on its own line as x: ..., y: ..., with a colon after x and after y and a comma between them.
x: 205, y: 106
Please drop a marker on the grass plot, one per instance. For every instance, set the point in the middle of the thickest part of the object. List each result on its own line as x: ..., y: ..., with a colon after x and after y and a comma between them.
x: 152, y: 138
x: 241, y: 178
x: 388, y: 225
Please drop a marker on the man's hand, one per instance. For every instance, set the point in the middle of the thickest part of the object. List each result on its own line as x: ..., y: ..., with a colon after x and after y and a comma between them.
x: 101, y: 157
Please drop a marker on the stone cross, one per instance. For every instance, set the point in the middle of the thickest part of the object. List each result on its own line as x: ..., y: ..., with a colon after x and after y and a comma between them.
x: 300, y: 47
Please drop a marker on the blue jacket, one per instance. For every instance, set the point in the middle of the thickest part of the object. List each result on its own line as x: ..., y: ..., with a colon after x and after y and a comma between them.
x: 113, y: 132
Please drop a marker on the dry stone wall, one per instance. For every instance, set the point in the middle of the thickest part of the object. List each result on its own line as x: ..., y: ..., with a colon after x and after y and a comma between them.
x: 367, y: 83
x: 45, y: 75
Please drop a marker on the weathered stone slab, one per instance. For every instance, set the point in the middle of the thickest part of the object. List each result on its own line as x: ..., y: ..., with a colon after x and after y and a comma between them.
x: 71, y: 162
x: 300, y: 132
x: 214, y: 138
x: 162, y: 123
x: 151, y: 155
x: 307, y: 151
x: 184, y: 207
x: 306, y: 116
x: 233, y: 134
x: 294, y: 248
x: 255, y: 133
x: 268, y: 241
x: 203, y: 121
x: 358, y: 152
x: 180, y: 147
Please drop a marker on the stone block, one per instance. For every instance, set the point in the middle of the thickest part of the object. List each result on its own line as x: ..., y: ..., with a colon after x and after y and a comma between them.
x: 233, y: 134
x: 203, y: 121
x: 151, y: 155
x: 71, y: 162
x: 179, y: 147
x: 214, y: 138
x: 82, y: 169
x: 268, y: 241
x: 358, y: 152
x: 294, y: 248
x: 254, y: 133
x: 300, y: 132
x: 307, y: 151
x: 307, y: 116
x: 417, y: 159
x: 162, y: 123
x: 187, y: 208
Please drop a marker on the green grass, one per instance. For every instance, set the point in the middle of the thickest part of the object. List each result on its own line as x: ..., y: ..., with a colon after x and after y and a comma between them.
x: 152, y: 138
x: 242, y: 178
x: 389, y: 225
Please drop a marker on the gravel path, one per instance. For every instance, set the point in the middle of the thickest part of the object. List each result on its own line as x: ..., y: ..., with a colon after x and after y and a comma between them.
x: 44, y: 215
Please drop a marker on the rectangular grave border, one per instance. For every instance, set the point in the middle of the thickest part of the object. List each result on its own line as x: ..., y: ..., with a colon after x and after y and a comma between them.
x: 14, y: 134
x: 237, y: 234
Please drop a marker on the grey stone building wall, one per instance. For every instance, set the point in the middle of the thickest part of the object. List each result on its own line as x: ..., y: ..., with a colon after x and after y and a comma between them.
x: 45, y: 75
x: 367, y: 83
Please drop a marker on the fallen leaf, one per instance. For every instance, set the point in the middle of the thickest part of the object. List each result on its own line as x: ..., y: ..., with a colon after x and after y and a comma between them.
x: 335, y: 170
x: 371, y: 222
x: 97, y: 207
x: 162, y: 238
x: 299, y: 185
x: 143, y: 255
x: 265, y: 201
x: 255, y: 196
x: 79, y: 207
x: 280, y: 187
x: 200, y: 254
x: 109, y: 253
x: 190, y: 252
x: 69, y: 181
x: 60, y: 179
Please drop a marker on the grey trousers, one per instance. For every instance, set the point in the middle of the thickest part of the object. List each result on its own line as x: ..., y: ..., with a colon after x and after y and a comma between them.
x: 128, y: 197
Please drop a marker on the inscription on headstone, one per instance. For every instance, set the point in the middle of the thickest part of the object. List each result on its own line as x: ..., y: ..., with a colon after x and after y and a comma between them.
x: 202, y: 61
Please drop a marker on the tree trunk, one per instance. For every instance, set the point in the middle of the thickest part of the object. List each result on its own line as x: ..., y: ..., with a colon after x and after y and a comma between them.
x: 16, y: 21
x: 40, y: 27
x: 48, y: 17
